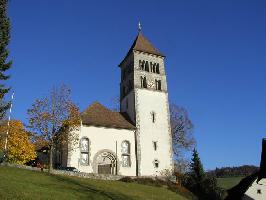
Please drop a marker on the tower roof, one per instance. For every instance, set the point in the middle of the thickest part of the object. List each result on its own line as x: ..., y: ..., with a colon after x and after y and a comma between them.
x: 98, y: 115
x: 141, y: 43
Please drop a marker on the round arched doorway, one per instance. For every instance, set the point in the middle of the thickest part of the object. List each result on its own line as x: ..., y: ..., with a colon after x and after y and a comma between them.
x: 105, y: 163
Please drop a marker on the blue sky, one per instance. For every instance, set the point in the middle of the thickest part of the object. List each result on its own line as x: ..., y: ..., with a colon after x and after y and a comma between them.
x: 215, y: 62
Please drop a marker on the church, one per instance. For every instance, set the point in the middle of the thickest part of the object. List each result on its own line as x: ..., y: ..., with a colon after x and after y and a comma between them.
x: 137, y: 140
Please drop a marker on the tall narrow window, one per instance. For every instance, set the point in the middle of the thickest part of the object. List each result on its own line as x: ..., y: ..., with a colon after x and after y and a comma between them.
x: 154, y: 68
x: 155, y: 146
x: 147, y: 66
x: 125, y: 154
x: 151, y: 67
x: 153, y: 117
x: 143, y: 65
x: 140, y: 63
x: 156, y: 163
x: 157, y: 68
x: 144, y: 82
x: 158, y: 84
x: 84, y: 151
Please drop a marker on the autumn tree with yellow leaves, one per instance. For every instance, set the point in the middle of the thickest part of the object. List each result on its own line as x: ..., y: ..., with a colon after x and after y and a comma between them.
x: 20, y: 150
x: 54, y: 119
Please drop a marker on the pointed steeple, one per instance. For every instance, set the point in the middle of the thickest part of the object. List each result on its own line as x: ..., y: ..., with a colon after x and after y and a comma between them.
x: 142, y: 44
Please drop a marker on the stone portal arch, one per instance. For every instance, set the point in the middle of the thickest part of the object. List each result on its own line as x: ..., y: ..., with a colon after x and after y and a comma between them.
x: 104, y: 162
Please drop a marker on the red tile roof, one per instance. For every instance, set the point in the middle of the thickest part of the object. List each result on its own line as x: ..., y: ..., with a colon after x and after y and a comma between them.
x: 98, y: 115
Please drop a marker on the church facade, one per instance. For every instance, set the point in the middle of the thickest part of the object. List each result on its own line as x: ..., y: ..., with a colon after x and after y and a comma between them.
x: 137, y: 140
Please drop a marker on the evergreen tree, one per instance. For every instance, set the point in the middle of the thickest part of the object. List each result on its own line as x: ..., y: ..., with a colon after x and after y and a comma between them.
x: 196, y: 167
x: 203, y: 186
x: 197, y: 173
x: 4, y: 64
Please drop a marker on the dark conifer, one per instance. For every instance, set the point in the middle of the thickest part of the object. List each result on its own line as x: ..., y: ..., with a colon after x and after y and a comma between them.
x: 197, y: 173
x: 196, y: 167
x: 4, y: 63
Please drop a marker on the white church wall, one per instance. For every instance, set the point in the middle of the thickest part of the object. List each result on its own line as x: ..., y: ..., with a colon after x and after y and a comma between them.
x: 104, y: 139
x: 256, y: 191
x: 128, y: 105
x: 147, y: 102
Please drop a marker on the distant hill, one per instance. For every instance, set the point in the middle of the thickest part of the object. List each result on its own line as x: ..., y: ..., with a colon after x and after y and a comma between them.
x: 242, y: 171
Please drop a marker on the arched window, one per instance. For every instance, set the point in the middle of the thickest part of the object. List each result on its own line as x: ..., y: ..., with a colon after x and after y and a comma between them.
x: 84, y: 151
x: 147, y: 66
x: 157, y: 69
x: 125, y: 153
x: 144, y: 82
x: 158, y: 84
x: 154, y: 68
x: 156, y: 163
x: 141, y: 64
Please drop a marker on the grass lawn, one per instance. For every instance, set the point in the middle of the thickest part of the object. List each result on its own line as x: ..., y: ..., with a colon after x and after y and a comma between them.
x: 24, y: 184
x: 229, y: 182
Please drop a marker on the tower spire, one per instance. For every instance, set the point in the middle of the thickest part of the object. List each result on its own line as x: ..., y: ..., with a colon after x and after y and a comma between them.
x: 139, y: 26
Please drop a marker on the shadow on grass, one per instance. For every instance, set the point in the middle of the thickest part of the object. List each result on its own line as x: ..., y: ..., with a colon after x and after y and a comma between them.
x: 89, y: 188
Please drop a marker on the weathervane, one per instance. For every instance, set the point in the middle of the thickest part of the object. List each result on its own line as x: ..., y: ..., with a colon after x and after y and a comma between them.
x: 139, y: 26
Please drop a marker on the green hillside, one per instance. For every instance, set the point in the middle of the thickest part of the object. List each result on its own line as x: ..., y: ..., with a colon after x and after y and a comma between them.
x: 23, y: 184
x: 229, y: 182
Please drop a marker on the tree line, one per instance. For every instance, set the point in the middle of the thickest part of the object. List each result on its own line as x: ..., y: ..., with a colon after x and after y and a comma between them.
x: 243, y: 170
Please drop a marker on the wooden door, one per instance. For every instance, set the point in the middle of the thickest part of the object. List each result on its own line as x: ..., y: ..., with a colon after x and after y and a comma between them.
x: 104, y: 169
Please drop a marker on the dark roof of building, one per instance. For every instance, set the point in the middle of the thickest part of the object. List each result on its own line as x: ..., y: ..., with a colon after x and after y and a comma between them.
x: 141, y: 43
x: 262, y: 172
x: 238, y: 191
x: 98, y: 115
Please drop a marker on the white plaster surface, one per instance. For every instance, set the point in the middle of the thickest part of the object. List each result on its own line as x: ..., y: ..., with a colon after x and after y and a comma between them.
x: 147, y: 102
x: 104, y: 139
x: 252, y: 192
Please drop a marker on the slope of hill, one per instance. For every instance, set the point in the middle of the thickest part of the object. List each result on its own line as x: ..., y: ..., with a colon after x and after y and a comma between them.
x: 23, y: 184
x: 228, y: 182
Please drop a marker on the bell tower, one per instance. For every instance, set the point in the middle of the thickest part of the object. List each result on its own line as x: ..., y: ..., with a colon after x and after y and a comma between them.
x: 144, y: 97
